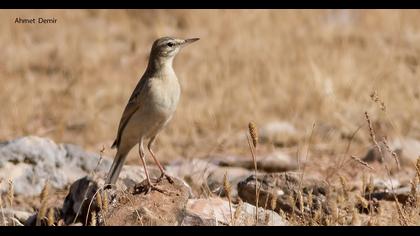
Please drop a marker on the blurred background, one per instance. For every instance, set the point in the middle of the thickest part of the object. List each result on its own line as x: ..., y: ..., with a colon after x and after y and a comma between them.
x: 71, y: 80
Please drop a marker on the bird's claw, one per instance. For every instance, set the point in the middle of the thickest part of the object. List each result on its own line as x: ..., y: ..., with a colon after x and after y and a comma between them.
x: 170, y: 180
x: 146, y: 188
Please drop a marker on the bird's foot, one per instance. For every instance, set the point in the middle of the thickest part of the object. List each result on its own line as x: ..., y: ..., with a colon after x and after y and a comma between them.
x: 146, y: 187
x: 170, y: 180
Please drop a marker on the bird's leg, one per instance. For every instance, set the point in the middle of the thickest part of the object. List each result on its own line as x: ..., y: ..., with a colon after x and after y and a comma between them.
x: 149, y: 185
x: 149, y: 146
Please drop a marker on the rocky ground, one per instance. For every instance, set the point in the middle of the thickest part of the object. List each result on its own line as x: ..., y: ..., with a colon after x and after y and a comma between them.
x: 45, y: 183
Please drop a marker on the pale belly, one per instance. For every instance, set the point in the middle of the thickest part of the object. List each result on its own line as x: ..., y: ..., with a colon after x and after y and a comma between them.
x: 155, y: 112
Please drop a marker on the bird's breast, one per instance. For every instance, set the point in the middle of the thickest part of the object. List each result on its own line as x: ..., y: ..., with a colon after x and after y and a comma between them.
x: 164, y: 97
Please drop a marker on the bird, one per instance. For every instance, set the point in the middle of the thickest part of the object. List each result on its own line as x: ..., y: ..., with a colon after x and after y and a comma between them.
x: 150, y: 107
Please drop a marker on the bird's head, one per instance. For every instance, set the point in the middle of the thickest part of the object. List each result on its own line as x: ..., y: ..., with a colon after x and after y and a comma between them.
x: 168, y: 47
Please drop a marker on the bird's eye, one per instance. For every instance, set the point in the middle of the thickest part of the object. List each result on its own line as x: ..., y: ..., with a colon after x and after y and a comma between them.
x: 170, y: 44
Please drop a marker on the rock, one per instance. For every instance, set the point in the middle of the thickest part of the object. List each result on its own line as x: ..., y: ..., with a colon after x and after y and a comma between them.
x: 285, y: 188
x: 198, y: 174
x: 277, y: 161
x: 30, y: 161
x: 32, y: 220
x: 382, y: 184
x: 79, y: 201
x: 280, y: 133
x: 374, y: 155
x: 402, y: 194
x: 80, y: 162
x: 20, y: 216
x: 216, y: 211
x: 406, y: 149
x: 233, y: 174
x: 153, y: 208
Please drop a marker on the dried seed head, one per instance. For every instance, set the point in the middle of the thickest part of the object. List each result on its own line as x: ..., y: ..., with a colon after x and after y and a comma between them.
x: 228, y: 189
x: 10, y: 192
x: 355, y: 220
x: 310, y: 199
x: 226, y: 185
x: 60, y: 222
x: 362, y: 201
x: 273, y: 203
x: 93, y: 218
x: 105, y: 201
x: 300, y: 199
x: 45, y: 191
x: 41, y: 214
x: 413, y: 193
x: 51, y: 217
x: 99, y: 200
x: 253, y: 132
x: 343, y: 182
x: 394, y: 155
x: 363, y: 184
x: 370, y: 187
x: 375, y: 98
x: 365, y: 164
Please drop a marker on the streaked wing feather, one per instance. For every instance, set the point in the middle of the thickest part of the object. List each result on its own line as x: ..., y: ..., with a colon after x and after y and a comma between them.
x: 132, y: 106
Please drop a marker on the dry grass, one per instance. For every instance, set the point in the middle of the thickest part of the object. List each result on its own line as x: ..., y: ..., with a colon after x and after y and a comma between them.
x: 70, y: 81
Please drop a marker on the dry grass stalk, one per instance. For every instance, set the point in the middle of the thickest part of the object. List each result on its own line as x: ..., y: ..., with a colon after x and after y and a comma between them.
x: 273, y: 202
x: 316, y: 218
x: 355, y: 219
x: 238, y: 211
x: 300, y: 199
x: 253, y: 137
x: 365, y: 164
x: 95, y: 170
x: 228, y: 191
x: 310, y: 199
x: 373, y: 136
x: 2, y: 210
x: 267, y: 218
x: 370, y: 186
x: 362, y: 201
x: 363, y: 190
x: 344, y: 186
x: 394, y: 155
x: 92, y: 218
x: 292, y: 202
x: 418, y: 167
x: 10, y: 193
x: 334, y: 212
x: 51, y: 217
x: 374, y: 96
x: 401, y: 216
x: 42, y: 213
x: 371, y: 221
x: 413, y: 192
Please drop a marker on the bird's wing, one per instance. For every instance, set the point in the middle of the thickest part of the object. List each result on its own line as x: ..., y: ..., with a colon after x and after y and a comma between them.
x: 132, y: 106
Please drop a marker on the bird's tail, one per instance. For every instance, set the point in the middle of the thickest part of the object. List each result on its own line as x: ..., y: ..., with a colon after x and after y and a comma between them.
x: 115, y: 169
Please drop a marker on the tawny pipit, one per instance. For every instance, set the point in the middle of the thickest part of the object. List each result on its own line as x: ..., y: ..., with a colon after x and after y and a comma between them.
x: 150, y: 107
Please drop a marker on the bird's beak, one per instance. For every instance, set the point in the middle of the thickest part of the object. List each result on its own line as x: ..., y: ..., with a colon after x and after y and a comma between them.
x: 188, y: 41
